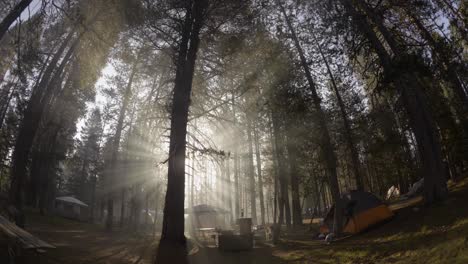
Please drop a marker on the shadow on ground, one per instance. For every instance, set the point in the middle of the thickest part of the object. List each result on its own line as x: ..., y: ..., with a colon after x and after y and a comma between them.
x: 437, y: 234
x: 262, y: 255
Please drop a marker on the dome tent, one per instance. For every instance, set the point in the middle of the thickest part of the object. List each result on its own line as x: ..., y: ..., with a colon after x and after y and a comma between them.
x: 361, y: 210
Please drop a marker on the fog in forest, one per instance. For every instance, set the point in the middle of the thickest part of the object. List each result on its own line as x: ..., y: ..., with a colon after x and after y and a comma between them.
x: 233, y: 131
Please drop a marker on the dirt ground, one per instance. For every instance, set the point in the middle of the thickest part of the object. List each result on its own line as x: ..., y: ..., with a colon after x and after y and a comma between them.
x: 438, y: 234
x: 85, y: 243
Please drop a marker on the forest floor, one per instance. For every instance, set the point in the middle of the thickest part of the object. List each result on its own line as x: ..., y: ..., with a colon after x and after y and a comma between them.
x: 84, y: 243
x: 438, y: 234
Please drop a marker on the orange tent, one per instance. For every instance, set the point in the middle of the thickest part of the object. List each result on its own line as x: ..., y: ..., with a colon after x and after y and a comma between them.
x: 361, y: 210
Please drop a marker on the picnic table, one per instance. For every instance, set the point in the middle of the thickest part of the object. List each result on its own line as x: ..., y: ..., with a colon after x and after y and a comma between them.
x: 208, y: 234
x: 17, y: 240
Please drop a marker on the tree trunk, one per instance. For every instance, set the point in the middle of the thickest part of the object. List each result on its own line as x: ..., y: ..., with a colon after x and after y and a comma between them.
x: 410, y: 87
x: 5, y: 105
x: 101, y: 208
x: 366, y: 29
x: 12, y: 16
x: 41, y: 96
x: 293, y: 171
x: 327, y: 147
x: 172, y: 246
x: 192, y: 183
x: 229, y: 187
x: 427, y: 141
x: 236, y: 166
x: 93, y: 198
x: 84, y: 176
x: 267, y: 209
x: 347, y: 126
x: 318, y: 205
x: 33, y: 183
x: 122, y: 207
x: 126, y: 170
x: 236, y: 185
x: 111, y: 165
x: 156, y: 208
x: 47, y: 161
x: 259, y: 174
x: 283, y: 204
x: 459, y: 98
x: 253, y: 196
x: 137, y: 207
x: 275, y: 170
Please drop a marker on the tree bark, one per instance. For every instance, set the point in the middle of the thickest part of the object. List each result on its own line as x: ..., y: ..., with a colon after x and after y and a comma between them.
x: 229, y: 186
x: 12, y: 16
x: 156, y: 208
x: 46, y: 173
x: 275, y: 171
x: 293, y: 171
x: 327, y: 147
x: 172, y: 246
x: 40, y: 98
x: 84, y: 176
x: 126, y: 170
x: 259, y: 175
x: 253, y: 196
x: 318, y: 205
x: 283, y: 203
x: 93, y: 198
x: 347, y: 126
x: 192, y: 183
x: 8, y: 95
x: 441, y: 57
x: 236, y: 167
x: 236, y: 185
x: 410, y: 88
x: 111, y: 165
x: 122, y: 207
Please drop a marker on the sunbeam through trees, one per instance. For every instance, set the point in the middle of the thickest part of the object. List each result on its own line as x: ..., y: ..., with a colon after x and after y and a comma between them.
x: 233, y: 131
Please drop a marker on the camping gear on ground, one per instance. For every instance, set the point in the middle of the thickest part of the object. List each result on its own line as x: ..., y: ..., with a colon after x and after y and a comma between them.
x: 393, y: 193
x: 245, y: 226
x: 233, y: 242
x: 272, y: 232
x: 404, y: 203
x: 416, y: 189
x: 206, y: 223
x: 329, y: 238
x: 244, y: 240
x: 269, y: 231
x: 70, y: 207
x: 360, y: 210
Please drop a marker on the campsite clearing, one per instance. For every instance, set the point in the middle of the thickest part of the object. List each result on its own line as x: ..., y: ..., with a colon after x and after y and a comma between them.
x: 429, y: 235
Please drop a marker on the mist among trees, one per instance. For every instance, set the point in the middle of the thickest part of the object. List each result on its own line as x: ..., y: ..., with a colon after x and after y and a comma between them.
x: 268, y: 110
